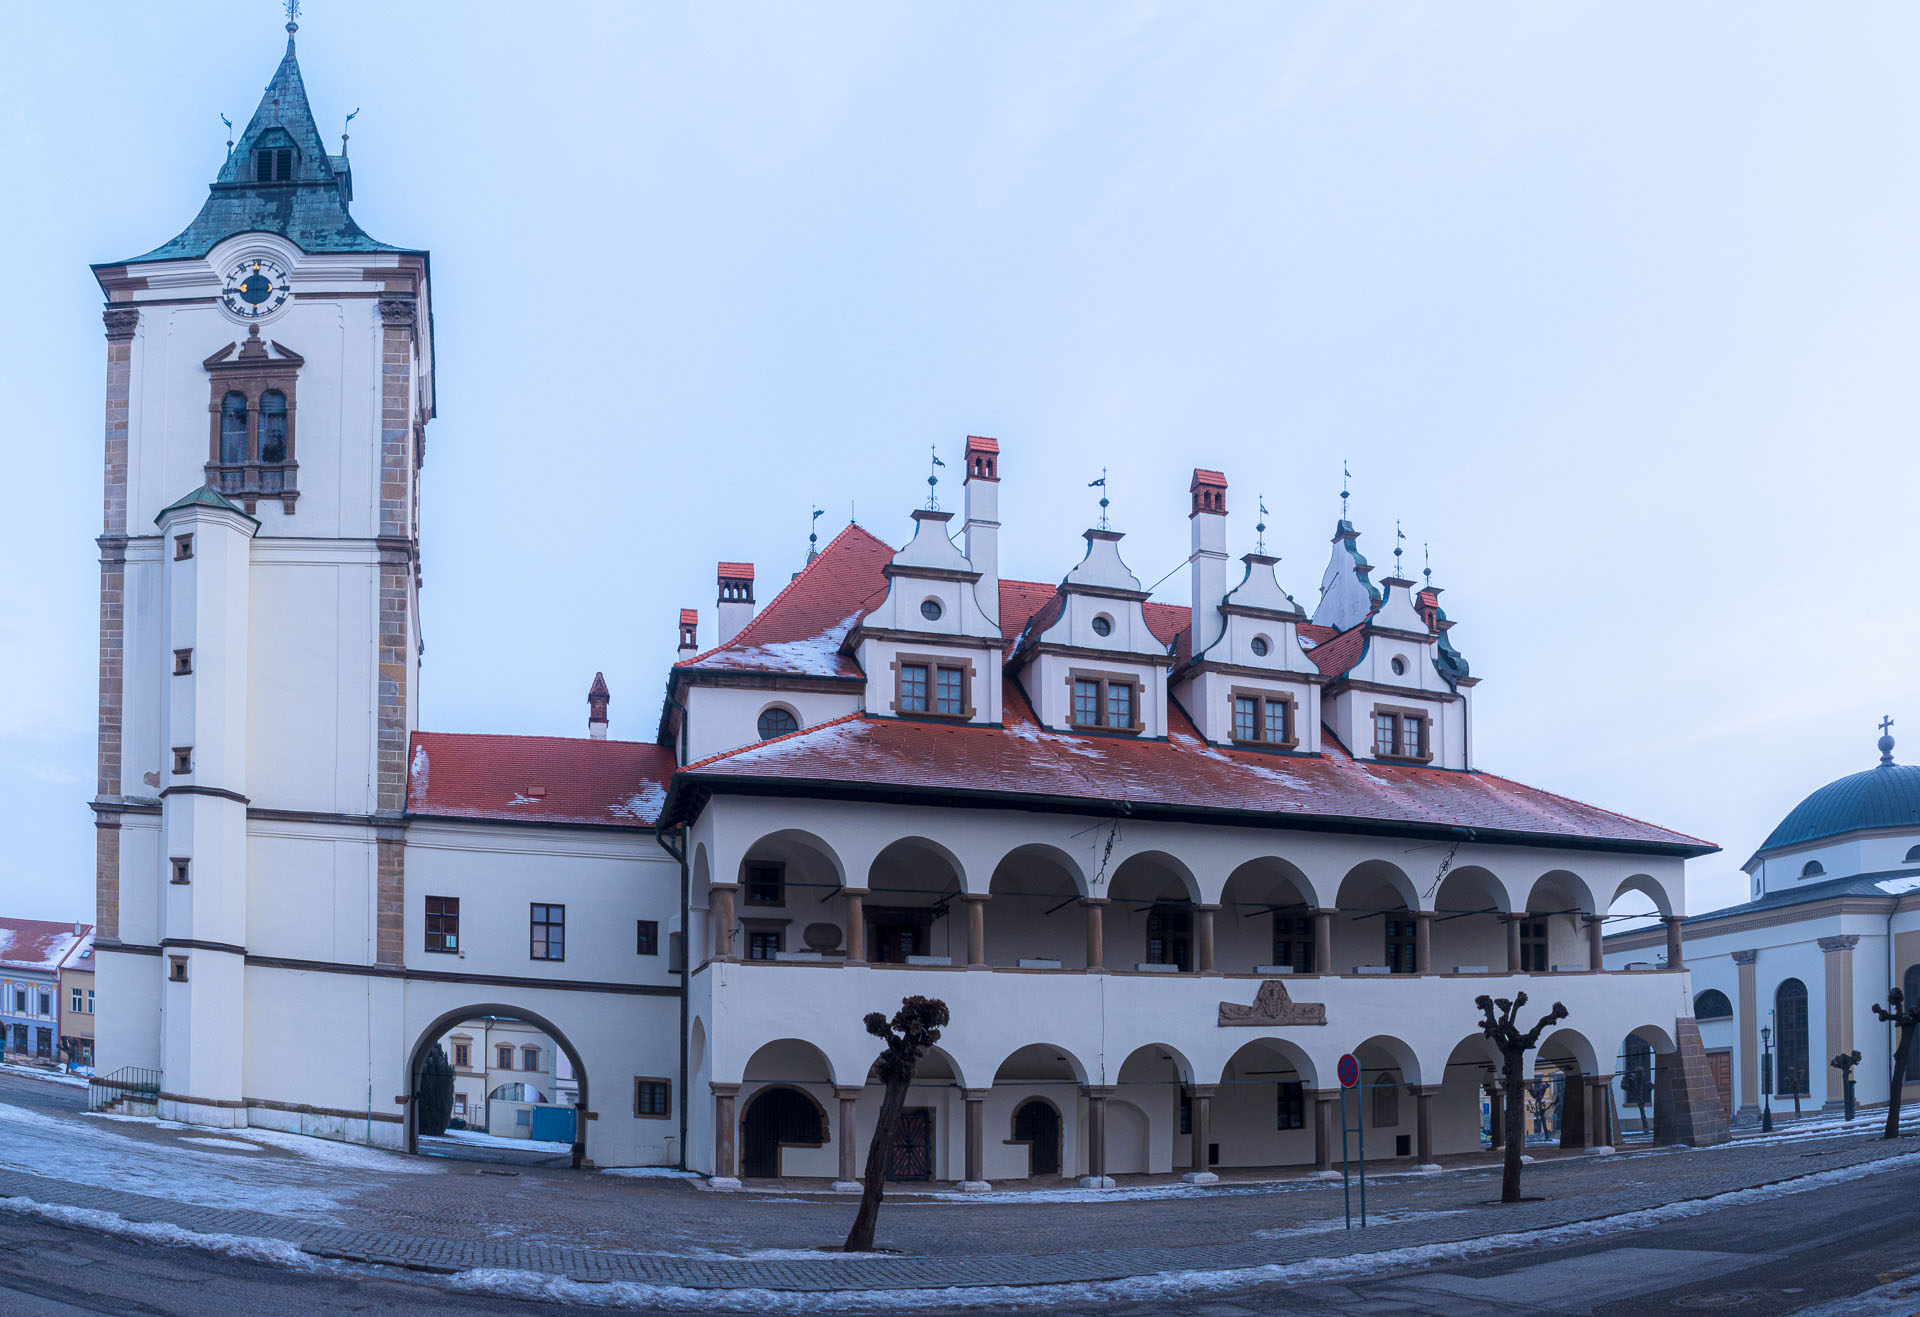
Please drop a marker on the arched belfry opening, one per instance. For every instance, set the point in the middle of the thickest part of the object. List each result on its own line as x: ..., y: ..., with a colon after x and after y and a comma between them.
x: 520, y: 1089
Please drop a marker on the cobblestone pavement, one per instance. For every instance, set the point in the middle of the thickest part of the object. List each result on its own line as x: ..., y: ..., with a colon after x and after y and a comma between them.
x: 450, y: 1217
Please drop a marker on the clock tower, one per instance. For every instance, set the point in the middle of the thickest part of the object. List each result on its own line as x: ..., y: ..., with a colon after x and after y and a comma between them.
x: 269, y: 382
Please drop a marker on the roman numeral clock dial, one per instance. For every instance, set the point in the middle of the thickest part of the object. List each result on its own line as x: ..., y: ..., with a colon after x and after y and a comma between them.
x: 255, y: 289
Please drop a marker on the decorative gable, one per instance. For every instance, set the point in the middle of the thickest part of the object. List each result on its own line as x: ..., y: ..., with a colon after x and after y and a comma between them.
x: 1231, y: 688
x: 927, y: 648
x: 1088, y: 660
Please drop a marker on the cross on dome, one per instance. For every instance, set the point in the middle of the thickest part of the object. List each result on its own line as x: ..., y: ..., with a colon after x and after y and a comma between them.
x: 1886, y: 740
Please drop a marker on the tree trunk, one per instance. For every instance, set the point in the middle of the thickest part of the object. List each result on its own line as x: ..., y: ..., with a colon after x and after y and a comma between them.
x: 860, y: 1238
x: 1516, y: 1114
x: 1900, y: 1054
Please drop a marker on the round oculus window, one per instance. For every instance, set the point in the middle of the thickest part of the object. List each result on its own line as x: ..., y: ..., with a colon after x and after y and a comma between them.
x: 1260, y: 646
x: 931, y: 609
x: 1103, y: 625
x: 1399, y: 666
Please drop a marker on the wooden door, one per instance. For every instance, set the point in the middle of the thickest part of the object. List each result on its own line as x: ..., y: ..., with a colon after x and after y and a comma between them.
x: 1720, y: 1066
x: 911, y: 1157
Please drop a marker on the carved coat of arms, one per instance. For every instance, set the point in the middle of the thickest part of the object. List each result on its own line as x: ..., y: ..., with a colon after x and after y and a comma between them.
x: 1272, y: 1005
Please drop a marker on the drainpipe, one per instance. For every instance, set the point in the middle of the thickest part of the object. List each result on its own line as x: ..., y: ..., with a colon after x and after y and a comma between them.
x: 686, y: 729
x: 679, y: 853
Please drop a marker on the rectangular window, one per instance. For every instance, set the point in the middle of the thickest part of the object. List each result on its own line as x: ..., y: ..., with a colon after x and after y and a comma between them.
x: 183, y: 759
x: 950, y: 690
x: 1399, y: 735
x: 529, y: 1058
x: 523, y: 1117
x: 1533, y: 946
x: 766, y: 884
x: 89, y: 1001
x: 46, y: 1002
x: 652, y: 1099
x: 1292, y: 1113
x: 1413, y: 735
x: 1246, y: 718
x: 182, y: 662
x: 503, y: 1056
x: 1293, y: 942
x: 647, y: 938
x: 182, y: 547
x: 1170, y: 936
x: 549, y: 933
x: 1105, y: 702
x: 443, y: 923
x: 463, y: 1056
x: 1119, y: 704
x: 182, y: 872
x: 764, y: 943
x: 79, y: 1002
x: 1385, y: 728
x: 1279, y: 720
x: 913, y: 688
x: 1400, y: 945
x: 177, y: 969
x: 1086, y: 703
x: 1186, y: 1112
x: 19, y: 1001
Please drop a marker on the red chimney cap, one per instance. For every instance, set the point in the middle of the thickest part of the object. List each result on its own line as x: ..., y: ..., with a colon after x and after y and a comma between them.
x: 977, y: 443
x: 736, y: 571
x: 598, y: 691
x: 689, y: 617
x: 1202, y: 476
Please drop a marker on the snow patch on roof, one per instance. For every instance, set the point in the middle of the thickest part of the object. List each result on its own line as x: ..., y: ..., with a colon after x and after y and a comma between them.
x: 644, y: 805
x: 1896, y: 886
x: 417, y: 774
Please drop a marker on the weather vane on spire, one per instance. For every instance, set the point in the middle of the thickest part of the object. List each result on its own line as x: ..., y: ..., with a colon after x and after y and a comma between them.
x: 1346, y: 478
x: 1398, y: 536
x: 933, y: 478
x: 229, y: 123
x: 293, y: 17
x: 1101, y: 485
x: 1426, y: 552
x: 343, y: 131
x: 1260, y: 526
x: 813, y: 533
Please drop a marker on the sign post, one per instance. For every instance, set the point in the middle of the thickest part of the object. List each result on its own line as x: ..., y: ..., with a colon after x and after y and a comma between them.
x: 1349, y: 1073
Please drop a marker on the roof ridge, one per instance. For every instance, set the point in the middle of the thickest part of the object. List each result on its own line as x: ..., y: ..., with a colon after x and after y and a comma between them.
x: 1602, y: 809
x: 773, y: 740
x: 753, y: 622
x: 537, y: 736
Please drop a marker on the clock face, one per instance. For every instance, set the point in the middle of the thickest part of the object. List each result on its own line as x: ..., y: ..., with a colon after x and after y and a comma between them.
x: 256, y: 288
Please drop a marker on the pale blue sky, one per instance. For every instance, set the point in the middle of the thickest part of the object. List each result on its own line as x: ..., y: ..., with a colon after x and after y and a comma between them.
x: 1617, y: 305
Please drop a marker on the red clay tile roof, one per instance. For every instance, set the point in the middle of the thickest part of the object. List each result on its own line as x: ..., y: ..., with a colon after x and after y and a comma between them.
x: 1181, y: 775
x: 689, y: 616
x: 981, y: 444
x: 1340, y: 650
x: 468, y: 776
x: 799, y: 631
x: 737, y: 571
x: 39, y: 944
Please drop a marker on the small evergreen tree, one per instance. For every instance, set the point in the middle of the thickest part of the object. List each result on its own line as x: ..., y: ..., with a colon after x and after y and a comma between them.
x: 436, y: 1091
x: 1903, y: 1017
x: 915, y: 1027
x: 1514, y: 1047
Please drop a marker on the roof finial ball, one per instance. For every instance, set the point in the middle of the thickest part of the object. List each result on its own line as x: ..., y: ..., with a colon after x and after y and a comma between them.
x: 293, y: 18
x: 1886, y: 741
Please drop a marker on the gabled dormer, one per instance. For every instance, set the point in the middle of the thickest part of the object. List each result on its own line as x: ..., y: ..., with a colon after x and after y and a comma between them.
x: 1394, y: 702
x: 928, y: 648
x: 1087, y: 661
x: 1346, y: 593
x: 1243, y: 677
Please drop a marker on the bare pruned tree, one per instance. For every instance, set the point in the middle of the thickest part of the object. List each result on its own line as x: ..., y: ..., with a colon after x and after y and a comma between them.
x: 1905, y: 1018
x: 1514, y: 1047
x: 915, y: 1027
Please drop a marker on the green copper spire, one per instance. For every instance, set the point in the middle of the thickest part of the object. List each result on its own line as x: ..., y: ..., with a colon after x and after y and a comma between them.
x: 278, y: 179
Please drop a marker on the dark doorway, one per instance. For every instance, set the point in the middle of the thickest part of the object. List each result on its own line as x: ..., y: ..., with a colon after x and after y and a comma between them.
x: 778, y: 1116
x: 1037, y: 1125
x: 911, y: 1157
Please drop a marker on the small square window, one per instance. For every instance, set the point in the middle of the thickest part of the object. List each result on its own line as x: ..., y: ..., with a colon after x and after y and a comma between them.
x: 913, y: 688
x: 177, y: 969
x: 182, y: 872
x: 182, y: 662
x: 652, y: 1099
x: 647, y: 941
x: 183, y: 759
x: 443, y: 923
x: 766, y: 884
x: 548, y: 933
x: 182, y: 547
x: 765, y: 943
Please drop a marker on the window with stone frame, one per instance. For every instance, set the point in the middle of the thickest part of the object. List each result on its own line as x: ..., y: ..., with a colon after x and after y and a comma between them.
x: 503, y: 1056
x: 529, y: 1058
x: 653, y: 1098
x: 463, y: 1054
x: 765, y: 943
x: 766, y: 883
x: 926, y: 685
x: 1293, y: 942
x: 1170, y: 936
x: 1260, y: 718
x: 1102, y: 701
x: 1291, y: 1107
x: 443, y: 923
x: 1399, y: 734
x: 252, y: 451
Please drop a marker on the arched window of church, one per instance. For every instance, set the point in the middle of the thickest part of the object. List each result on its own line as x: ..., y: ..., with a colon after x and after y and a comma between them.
x: 1812, y: 869
x: 1913, y: 856
x: 1790, y: 1041
x: 777, y: 722
x: 1712, y: 1005
x: 273, y: 426
x: 1910, y: 991
x: 233, y: 429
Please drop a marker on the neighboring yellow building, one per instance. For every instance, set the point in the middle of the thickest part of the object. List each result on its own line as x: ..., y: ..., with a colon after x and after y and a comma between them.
x: 76, y: 1004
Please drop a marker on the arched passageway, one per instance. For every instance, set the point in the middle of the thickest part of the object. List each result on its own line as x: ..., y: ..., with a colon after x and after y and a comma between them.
x: 778, y: 1117
x: 512, y: 1051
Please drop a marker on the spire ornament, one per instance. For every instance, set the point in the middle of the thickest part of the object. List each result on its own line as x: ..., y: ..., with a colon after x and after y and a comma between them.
x: 933, y: 478
x: 1426, y: 553
x: 229, y: 123
x: 1101, y: 485
x: 813, y: 533
x: 1886, y: 741
x: 1346, y: 478
x: 293, y: 18
x: 343, y: 131
x: 1399, y: 536
x: 1260, y: 527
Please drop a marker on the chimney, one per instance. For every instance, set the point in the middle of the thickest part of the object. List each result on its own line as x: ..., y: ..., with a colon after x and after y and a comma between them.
x: 1209, y: 561
x: 689, y: 633
x: 597, y: 700
x: 736, y: 598
x: 983, y: 520
x: 79, y: 929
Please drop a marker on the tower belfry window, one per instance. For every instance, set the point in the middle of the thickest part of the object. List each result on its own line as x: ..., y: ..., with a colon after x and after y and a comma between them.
x: 273, y: 164
x: 233, y: 429
x: 273, y: 427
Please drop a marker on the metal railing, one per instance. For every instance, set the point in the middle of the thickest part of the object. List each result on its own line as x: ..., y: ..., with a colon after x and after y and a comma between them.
x: 129, y: 1085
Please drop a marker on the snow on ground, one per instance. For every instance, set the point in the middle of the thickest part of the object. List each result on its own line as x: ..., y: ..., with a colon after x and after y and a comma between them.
x: 50, y: 1076
x: 221, y: 1143
x: 248, y: 1247
x: 335, y: 1153
x: 651, y: 1173
x: 481, y: 1139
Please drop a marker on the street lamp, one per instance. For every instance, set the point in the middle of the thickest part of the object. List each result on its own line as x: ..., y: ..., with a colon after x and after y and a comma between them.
x: 1766, y: 1080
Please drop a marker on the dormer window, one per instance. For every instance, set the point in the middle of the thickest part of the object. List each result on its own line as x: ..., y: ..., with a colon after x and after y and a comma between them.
x: 1399, y: 735
x: 1103, y: 625
x: 1112, y: 703
x: 274, y: 157
x: 1262, y: 719
x: 1813, y: 869
x: 777, y: 722
x: 927, y: 686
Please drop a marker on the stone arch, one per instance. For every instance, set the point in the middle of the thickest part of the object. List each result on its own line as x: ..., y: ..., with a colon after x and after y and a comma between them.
x: 1365, y: 880
x: 776, y: 1117
x: 1561, y: 891
x: 788, y: 1061
x: 1645, y: 884
x: 1159, y: 874
x: 794, y: 843
x: 1469, y: 929
x: 1263, y: 1106
x: 447, y: 1020
x: 911, y: 907
x: 1149, y: 916
x: 1033, y: 912
x: 1040, y: 1063
x: 803, y: 869
x: 1398, y: 1053
x: 1266, y: 917
x: 1375, y: 921
x: 1283, y: 1050
x: 1145, y: 1063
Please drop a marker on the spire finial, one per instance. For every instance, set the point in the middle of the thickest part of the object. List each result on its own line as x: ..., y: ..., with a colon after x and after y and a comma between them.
x: 1426, y: 552
x: 933, y: 478
x: 1346, y: 478
x: 1101, y: 485
x: 1398, y: 536
x: 813, y: 533
x: 293, y: 19
x: 1260, y: 526
x: 1886, y: 741
x: 229, y: 123
x: 343, y: 131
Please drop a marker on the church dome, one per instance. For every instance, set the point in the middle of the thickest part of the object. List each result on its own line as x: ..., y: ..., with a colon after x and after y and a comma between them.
x: 1885, y: 796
